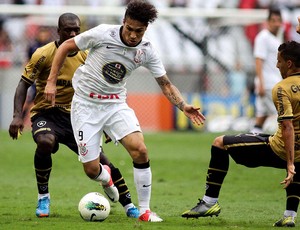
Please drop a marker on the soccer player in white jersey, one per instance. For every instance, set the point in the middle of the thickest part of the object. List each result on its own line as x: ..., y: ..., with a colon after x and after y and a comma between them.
x: 99, y: 103
x: 267, y: 75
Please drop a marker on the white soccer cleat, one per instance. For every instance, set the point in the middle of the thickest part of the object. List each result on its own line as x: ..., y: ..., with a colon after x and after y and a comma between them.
x: 149, y: 216
x: 110, y: 189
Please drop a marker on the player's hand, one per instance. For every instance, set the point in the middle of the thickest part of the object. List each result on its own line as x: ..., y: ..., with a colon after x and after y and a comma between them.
x: 194, y: 114
x: 16, y: 128
x: 298, y: 26
x: 50, y: 92
x: 290, y: 175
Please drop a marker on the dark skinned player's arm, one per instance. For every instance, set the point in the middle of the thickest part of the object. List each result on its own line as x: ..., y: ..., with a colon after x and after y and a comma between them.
x: 19, y: 100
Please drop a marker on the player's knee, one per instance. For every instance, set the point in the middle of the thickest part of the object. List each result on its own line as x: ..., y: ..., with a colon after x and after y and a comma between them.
x: 140, y: 154
x: 45, y: 143
x: 218, y: 142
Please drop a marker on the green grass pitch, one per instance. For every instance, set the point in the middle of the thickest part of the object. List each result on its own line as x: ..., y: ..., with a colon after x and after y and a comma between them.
x: 250, y: 198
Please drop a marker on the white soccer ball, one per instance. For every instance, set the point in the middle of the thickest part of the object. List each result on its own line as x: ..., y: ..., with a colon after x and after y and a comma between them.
x: 94, y: 207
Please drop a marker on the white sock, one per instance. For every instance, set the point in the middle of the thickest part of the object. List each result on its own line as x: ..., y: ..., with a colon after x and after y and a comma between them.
x: 210, y: 200
x: 290, y: 213
x: 40, y: 196
x: 103, y: 177
x: 128, y: 206
x: 142, y: 180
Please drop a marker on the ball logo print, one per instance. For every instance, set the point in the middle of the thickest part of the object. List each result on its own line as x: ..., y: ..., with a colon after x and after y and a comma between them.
x: 94, y: 207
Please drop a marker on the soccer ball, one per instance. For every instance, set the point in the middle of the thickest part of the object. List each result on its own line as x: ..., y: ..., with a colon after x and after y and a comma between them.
x: 94, y: 207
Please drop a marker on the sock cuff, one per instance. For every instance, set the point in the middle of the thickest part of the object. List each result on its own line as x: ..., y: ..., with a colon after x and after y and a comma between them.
x: 141, y: 166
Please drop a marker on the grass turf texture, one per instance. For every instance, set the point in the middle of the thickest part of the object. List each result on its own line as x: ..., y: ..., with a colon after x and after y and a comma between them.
x: 250, y: 198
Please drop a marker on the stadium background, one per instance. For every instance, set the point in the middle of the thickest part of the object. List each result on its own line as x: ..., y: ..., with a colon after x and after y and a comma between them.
x: 206, y: 47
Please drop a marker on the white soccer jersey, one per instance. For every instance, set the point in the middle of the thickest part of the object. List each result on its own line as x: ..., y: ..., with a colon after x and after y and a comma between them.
x: 110, y: 62
x: 266, y: 47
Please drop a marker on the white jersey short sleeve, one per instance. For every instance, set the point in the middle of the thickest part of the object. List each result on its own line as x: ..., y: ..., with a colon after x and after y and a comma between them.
x: 266, y: 47
x: 110, y: 62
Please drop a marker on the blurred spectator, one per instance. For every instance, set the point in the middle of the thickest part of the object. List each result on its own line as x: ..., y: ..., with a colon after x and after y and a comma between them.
x: 51, y: 2
x: 5, y: 48
x: 250, y: 30
x: 237, y: 81
x: 179, y: 3
x: 267, y: 75
x: 42, y: 38
x: 5, y: 42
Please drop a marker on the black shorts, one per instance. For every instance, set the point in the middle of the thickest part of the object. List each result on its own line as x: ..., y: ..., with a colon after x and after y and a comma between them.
x: 57, y: 123
x: 252, y: 150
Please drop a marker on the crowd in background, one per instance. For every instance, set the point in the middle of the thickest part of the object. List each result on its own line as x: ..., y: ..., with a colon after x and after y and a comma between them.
x: 193, y: 45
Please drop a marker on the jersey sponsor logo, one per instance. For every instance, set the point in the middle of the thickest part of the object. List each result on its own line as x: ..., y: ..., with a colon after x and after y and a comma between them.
x: 61, y: 82
x: 65, y: 107
x: 103, y: 97
x: 37, y: 66
x: 82, y: 149
x: 280, y: 105
x: 114, y: 72
x: 295, y: 88
x: 41, y: 124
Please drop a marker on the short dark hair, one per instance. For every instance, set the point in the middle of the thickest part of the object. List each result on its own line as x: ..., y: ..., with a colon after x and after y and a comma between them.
x: 67, y: 16
x: 290, y: 50
x: 141, y: 11
x: 274, y: 11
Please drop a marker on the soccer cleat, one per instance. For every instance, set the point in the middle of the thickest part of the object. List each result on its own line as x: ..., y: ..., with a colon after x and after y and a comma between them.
x: 110, y: 189
x: 149, y: 216
x: 133, y: 212
x: 203, y: 209
x: 43, y: 207
x: 286, y: 221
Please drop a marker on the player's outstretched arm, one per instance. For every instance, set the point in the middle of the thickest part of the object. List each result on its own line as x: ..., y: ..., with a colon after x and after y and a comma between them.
x: 62, y: 52
x: 17, y: 124
x: 175, y: 97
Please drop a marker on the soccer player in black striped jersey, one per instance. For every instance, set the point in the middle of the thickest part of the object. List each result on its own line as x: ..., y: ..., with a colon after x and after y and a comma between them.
x: 51, y: 125
x: 280, y: 150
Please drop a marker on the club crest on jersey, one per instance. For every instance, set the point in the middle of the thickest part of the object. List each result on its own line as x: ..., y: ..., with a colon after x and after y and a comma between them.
x: 41, y: 124
x: 138, y: 56
x: 113, y: 33
x: 82, y: 149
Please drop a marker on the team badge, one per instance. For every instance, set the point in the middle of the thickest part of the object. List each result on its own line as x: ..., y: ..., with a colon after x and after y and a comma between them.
x: 82, y: 149
x: 113, y: 33
x: 41, y: 124
x: 138, y: 56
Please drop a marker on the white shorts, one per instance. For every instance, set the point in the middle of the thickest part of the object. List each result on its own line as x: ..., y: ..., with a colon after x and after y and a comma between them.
x: 264, y: 106
x: 89, y: 120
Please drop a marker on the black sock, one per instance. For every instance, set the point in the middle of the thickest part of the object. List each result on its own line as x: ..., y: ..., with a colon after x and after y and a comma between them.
x: 43, y: 166
x: 124, y: 194
x: 216, y: 172
x: 293, y: 196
